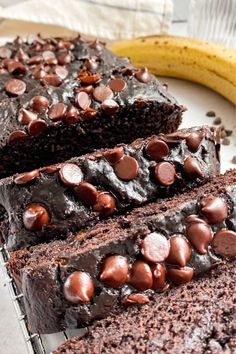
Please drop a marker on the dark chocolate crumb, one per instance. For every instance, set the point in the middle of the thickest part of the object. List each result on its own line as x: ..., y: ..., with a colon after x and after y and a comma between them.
x: 210, y: 114
x: 228, y: 132
x: 226, y: 141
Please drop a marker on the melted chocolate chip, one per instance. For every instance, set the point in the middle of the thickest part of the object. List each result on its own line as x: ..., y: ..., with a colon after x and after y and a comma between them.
x: 126, y: 168
x: 180, y: 275
x: 102, y: 93
x: 37, y: 127
x: 224, y: 243
x: 192, y: 167
x: 25, y: 116
x: 199, y: 234
x: 194, y: 140
x: 214, y: 209
x: 34, y: 217
x: 70, y: 174
x: 143, y: 75
x: 157, y: 149
x: 39, y: 103
x: 135, y: 299
x: 180, y: 251
x: 165, y: 173
x: 155, y: 247
x: 159, y: 276
x: 16, y: 136
x: 15, y: 87
x: 117, y: 85
x: 26, y: 177
x: 140, y: 276
x: 110, y: 107
x: 105, y: 204
x: 82, y: 100
x: 114, y: 155
x: 87, y: 193
x: 114, y: 271
x: 78, y: 288
x: 57, y: 111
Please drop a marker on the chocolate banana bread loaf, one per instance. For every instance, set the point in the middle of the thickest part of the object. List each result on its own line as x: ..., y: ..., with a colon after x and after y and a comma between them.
x: 123, y: 262
x: 197, y: 318
x: 64, y: 97
x: 49, y: 202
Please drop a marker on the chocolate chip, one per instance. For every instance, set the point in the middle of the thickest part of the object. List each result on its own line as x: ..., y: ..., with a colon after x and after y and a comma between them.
x: 88, y: 113
x: 71, y: 116
x: 174, y: 138
x: 194, y: 140
x: 143, y: 75
x: 89, y: 79
x: 79, y: 288
x: 224, y: 243
x: 87, y: 193
x: 48, y: 54
x: 52, y: 80
x: 102, y: 93
x: 155, y: 247
x: 82, y: 100
x: 135, y: 299
x: 159, y: 276
x: 39, y: 73
x: 110, y: 107
x: 114, y: 155
x: 226, y: 141
x: 105, y: 204
x: 126, y: 168
x: 228, y: 132
x: 181, y: 275
x: 35, y: 217
x: 199, y: 234
x: 39, y: 103
x: 165, y: 173
x: 91, y: 64
x: 25, y: 116
x: 217, y: 121
x: 57, y: 111
x: 114, y: 271
x: 16, y: 68
x: 180, y: 251
x: 35, y: 60
x: 37, y: 127
x: 61, y: 72
x: 214, y: 209
x: 64, y: 59
x: 210, y: 114
x: 117, y: 85
x: 140, y: 276
x: 192, y: 167
x: 16, y: 136
x: 5, y: 52
x: 88, y: 89
x: 21, y: 55
x: 70, y: 174
x: 26, y: 177
x: 157, y: 149
x: 15, y: 87
x: 96, y: 44
x: 51, y: 168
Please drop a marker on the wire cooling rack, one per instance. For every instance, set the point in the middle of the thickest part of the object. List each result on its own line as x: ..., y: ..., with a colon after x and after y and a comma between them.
x: 36, y: 344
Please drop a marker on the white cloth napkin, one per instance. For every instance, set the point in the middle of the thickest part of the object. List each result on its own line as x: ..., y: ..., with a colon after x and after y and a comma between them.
x: 111, y: 19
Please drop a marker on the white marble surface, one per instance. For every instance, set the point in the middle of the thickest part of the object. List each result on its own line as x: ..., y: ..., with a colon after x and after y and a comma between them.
x: 198, y: 100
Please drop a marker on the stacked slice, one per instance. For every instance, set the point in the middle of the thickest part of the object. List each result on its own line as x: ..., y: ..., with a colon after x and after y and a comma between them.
x: 95, y: 234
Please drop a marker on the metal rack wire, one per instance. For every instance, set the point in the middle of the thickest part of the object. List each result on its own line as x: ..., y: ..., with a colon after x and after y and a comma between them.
x: 36, y: 344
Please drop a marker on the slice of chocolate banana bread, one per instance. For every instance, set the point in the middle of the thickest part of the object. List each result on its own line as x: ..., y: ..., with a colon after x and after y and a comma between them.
x: 123, y: 262
x: 197, y: 318
x: 52, y: 201
x: 63, y: 97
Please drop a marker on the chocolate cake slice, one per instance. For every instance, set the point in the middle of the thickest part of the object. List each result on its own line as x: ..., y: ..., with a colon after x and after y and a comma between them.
x: 197, y: 318
x: 49, y: 202
x: 65, y: 97
x: 124, y: 262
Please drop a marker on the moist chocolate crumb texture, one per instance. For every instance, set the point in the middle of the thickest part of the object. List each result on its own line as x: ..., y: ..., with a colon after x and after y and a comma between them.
x: 50, y: 202
x: 196, y: 318
x: 65, y: 97
x: 124, y: 262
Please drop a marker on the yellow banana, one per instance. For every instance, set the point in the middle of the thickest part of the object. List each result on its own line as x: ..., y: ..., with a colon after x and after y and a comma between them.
x: 209, y: 64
